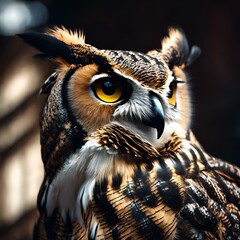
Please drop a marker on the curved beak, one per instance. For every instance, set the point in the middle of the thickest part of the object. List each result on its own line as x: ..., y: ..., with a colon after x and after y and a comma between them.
x: 156, y: 120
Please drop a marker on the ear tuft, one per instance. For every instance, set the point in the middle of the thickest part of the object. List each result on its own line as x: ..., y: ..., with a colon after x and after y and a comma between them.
x: 49, y: 45
x: 175, y: 49
x: 67, y: 36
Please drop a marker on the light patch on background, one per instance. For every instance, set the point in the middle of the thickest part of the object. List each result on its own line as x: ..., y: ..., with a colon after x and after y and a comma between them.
x: 17, y: 16
x: 21, y: 179
x: 16, y: 128
x: 22, y: 81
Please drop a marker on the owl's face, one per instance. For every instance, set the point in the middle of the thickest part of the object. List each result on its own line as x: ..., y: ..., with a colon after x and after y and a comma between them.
x: 145, y: 94
x: 151, y: 109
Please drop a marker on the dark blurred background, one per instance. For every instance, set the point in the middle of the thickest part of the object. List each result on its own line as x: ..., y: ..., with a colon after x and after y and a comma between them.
x: 130, y: 25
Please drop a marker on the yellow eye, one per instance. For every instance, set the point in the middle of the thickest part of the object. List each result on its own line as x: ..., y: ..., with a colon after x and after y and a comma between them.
x: 107, y: 89
x: 172, y: 93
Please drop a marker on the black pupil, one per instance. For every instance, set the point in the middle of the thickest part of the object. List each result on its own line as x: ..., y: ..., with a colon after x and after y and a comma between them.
x: 109, y: 87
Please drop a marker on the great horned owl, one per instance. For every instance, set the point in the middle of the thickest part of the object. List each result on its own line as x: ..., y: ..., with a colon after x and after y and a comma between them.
x: 119, y: 156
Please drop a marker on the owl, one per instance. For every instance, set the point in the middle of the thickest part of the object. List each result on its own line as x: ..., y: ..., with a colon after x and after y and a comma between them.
x: 120, y: 159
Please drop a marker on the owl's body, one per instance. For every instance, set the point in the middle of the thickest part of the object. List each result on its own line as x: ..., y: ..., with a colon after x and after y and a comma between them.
x: 120, y: 159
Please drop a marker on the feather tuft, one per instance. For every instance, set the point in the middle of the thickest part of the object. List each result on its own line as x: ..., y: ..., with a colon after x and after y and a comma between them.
x: 67, y: 36
x: 175, y: 47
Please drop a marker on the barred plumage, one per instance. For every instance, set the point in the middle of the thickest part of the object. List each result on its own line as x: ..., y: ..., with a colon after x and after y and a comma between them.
x: 120, y: 159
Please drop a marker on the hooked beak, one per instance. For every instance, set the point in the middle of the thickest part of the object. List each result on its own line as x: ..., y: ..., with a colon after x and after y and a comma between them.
x: 156, y: 120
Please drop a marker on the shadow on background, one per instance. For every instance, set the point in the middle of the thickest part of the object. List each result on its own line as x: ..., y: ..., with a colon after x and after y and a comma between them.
x: 129, y: 25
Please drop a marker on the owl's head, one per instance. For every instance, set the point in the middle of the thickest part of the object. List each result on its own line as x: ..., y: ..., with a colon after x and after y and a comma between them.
x: 145, y: 93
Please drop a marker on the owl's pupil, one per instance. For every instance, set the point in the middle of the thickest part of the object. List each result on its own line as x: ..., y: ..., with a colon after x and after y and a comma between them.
x: 109, y: 88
